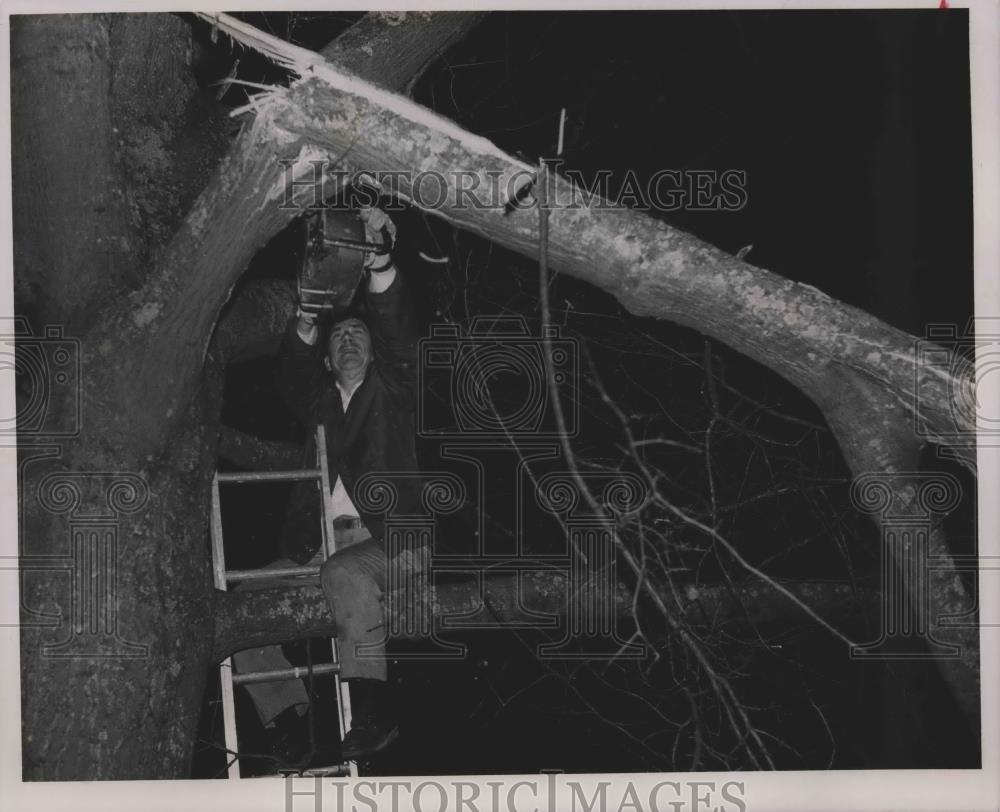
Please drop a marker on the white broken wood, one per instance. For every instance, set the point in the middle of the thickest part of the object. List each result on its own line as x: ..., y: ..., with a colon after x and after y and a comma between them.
x: 306, y: 64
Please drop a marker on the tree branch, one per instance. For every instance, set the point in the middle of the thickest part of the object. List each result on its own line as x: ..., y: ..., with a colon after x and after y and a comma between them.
x: 249, y: 618
x: 391, y: 48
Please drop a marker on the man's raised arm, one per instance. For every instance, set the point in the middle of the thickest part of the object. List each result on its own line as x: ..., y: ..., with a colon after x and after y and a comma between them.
x: 300, y: 368
x: 392, y: 322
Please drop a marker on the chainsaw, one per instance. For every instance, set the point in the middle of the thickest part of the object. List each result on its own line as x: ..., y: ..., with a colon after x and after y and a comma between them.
x: 334, y: 250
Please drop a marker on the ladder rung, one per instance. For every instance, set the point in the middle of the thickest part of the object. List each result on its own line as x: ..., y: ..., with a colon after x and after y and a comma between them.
x: 269, y: 476
x: 285, y: 673
x: 334, y: 770
x: 233, y: 576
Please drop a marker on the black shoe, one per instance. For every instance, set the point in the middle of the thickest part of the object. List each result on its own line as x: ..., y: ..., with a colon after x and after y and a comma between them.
x: 367, y: 739
x: 374, y: 724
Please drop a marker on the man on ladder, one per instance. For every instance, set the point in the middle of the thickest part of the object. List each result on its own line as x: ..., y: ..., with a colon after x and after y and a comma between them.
x: 359, y: 383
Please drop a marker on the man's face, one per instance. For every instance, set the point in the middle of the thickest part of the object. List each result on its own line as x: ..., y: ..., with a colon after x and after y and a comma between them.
x: 349, y: 349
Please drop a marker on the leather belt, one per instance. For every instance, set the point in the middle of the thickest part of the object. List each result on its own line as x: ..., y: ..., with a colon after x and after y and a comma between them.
x: 347, y: 522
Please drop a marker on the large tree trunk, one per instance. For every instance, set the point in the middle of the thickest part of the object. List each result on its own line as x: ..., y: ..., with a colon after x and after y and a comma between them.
x: 117, y: 514
x: 101, y: 692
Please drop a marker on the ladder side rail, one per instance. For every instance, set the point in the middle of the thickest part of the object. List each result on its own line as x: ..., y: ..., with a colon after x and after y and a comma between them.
x: 218, y: 550
x: 326, y: 488
x: 329, y: 541
x: 226, y: 667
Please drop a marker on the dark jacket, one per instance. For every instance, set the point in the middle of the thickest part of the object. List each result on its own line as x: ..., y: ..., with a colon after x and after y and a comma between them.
x: 377, y: 435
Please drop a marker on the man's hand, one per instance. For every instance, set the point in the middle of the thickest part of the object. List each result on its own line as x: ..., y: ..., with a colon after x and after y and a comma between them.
x: 306, y: 325
x: 379, y: 228
x: 307, y: 318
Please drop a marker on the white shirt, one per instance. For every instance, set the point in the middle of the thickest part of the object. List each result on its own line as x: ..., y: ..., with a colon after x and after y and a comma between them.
x: 340, y: 501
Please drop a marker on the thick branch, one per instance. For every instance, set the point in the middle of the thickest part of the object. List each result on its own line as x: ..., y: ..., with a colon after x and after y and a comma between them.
x: 884, y: 446
x: 391, y: 48
x: 248, y: 618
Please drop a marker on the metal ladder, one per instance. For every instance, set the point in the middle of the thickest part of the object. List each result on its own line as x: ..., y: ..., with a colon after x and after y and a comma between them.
x: 224, y: 577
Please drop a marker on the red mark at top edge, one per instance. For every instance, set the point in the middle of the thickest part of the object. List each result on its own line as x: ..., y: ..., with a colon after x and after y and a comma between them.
x: 944, y: 4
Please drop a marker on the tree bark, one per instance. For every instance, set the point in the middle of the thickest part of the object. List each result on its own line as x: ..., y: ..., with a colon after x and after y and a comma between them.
x: 391, y: 48
x: 882, y: 442
x: 97, y: 579
x: 248, y: 618
x: 60, y: 78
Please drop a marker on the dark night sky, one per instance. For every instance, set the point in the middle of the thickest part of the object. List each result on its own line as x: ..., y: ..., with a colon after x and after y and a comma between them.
x: 853, y: 129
